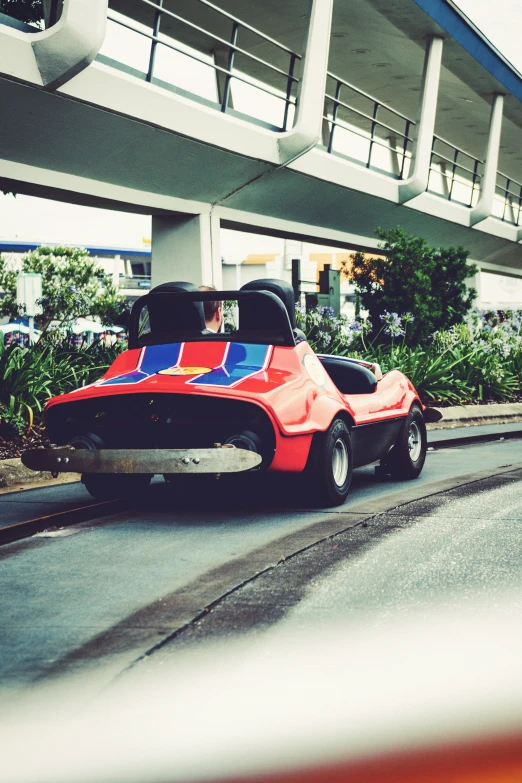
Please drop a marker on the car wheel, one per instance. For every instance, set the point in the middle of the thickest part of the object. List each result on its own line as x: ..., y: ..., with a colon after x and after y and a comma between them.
x: 106, y: 486
x: 330, y: 464
x: 406, y: 459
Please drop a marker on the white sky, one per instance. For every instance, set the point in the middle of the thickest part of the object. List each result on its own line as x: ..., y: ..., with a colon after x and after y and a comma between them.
x: 38, y: 220
x: 500, y: 21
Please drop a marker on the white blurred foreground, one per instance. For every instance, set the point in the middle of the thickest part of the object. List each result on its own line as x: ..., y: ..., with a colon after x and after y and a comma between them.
x: 284, y: 703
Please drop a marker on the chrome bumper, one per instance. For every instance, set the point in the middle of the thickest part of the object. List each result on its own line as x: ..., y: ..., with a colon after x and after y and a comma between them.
x: 66, y: 459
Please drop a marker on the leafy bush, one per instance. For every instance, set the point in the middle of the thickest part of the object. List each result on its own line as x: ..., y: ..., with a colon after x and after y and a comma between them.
x: 411, y: 276
x: 465, y: 363
x: 12, y: 422
x: 24, y: 10
x: 73, y: 285
x: 328, y: 333
x: 479, y: 361
x: 30, y: 376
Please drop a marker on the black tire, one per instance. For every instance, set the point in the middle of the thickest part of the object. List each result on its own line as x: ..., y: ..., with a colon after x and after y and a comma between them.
x: 106, y: 486
x: 330, y: 464
x: 406, y: 458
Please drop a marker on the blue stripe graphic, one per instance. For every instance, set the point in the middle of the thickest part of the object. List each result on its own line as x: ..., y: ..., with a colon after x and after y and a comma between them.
x: 155, y: 358
x: 242, y: 360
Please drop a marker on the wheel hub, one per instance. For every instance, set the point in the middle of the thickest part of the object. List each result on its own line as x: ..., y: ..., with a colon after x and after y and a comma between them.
x: 340, y: 462
x: 414, y: 441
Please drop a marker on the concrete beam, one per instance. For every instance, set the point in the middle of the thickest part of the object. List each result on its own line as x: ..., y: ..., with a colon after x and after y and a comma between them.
x: 58, y: 185
x: 498, y: 269
x: 51, y: 58
x: 417, y: 181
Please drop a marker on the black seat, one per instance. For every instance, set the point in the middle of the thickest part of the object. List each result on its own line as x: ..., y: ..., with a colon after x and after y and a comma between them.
x: 253, y: 314
x: 348, y: 376
x: 174, y: 312
x: 169, y: 317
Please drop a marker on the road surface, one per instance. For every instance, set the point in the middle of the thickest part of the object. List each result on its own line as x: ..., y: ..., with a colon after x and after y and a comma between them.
x: 98, y: 596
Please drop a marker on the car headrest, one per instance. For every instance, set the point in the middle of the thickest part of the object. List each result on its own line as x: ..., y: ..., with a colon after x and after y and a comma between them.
x: 249, y: 312
x: 182, y: 317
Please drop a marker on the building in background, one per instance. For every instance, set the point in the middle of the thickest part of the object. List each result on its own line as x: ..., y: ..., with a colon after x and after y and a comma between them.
x: 128, y: 268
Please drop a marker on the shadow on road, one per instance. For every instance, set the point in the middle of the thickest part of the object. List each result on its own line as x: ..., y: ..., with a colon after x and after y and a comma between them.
x: 261, y: 492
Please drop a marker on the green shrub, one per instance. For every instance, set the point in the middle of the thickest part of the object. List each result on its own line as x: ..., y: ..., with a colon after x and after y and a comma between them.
x: 411, y: 276
x: 30, y: 376
x: 468, y: 362
x: 328, y: 333
x: 12, y: 423
x: 73, y: 285
x: 29, y: 11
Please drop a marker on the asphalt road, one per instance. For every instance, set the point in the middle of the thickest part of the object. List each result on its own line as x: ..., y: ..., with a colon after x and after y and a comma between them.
x: 68, y: 594
x: 32, y: 503
x: 454, y: 553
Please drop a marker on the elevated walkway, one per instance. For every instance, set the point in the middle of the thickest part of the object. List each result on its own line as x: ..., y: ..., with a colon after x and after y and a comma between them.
x: 418, y: 125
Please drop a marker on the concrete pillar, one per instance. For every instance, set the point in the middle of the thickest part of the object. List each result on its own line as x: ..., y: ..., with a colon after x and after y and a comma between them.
x: 221, y: 56
x: 186, y: 247
x: 325, y: 133
x: 396, y: 161
x: 308, y: 124
x: 444, y: 176
x: 293, y: 248
x: 488, y: 183
x: 476, y: 283
x: 116, y: 271
x: 52, y: 10
x: 417, y: 181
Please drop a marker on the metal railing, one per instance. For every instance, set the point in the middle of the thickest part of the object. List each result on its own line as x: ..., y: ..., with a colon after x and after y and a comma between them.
x: 231, y: 49
x: 507, y: 204
x: 356, y: 125
x: 377, y: 124
x: 457, y: 173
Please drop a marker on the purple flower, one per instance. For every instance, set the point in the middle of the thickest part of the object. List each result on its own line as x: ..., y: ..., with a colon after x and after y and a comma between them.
x: 392, y: 324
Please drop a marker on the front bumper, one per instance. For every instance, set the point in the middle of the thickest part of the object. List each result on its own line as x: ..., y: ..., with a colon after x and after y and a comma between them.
x: 66, y: 459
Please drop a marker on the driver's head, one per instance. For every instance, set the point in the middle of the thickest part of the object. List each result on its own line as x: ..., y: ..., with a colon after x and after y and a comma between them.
x: 213, y: 310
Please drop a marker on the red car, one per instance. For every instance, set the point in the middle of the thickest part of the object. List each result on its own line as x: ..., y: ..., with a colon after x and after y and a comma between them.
x: 183, y: 400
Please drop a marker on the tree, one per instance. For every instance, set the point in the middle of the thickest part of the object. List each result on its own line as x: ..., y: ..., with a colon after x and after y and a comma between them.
x: 29, y: 11
x: 73, y: 285
x: 413, y: 277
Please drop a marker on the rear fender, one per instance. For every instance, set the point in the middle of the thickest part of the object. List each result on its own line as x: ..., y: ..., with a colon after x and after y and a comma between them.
x: 325, y: 409
x: 291, y: 452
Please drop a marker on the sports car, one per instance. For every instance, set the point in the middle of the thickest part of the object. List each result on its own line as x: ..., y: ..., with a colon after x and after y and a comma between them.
x: 183, y: 400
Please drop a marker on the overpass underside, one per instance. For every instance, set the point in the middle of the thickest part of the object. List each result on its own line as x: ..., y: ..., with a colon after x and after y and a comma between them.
x: 320, y: 124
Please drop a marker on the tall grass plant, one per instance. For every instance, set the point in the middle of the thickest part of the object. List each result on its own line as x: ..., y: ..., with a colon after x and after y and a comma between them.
x: 475, y: 362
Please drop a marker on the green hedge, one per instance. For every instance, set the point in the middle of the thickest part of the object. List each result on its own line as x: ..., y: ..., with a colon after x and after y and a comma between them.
x: 30, y: 376
x: 471, y: 362
x: 475, y: 362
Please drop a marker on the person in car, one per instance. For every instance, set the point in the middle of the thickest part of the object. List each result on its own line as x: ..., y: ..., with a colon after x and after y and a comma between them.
x: 213, y: 311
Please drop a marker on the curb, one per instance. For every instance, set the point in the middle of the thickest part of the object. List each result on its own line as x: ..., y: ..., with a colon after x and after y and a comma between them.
x: 472, y: 415
x: 14, y: 476
x: 60, y: 519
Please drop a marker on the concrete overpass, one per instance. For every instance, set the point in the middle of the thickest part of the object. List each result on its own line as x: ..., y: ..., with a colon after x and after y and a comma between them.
x: 387, y: 113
